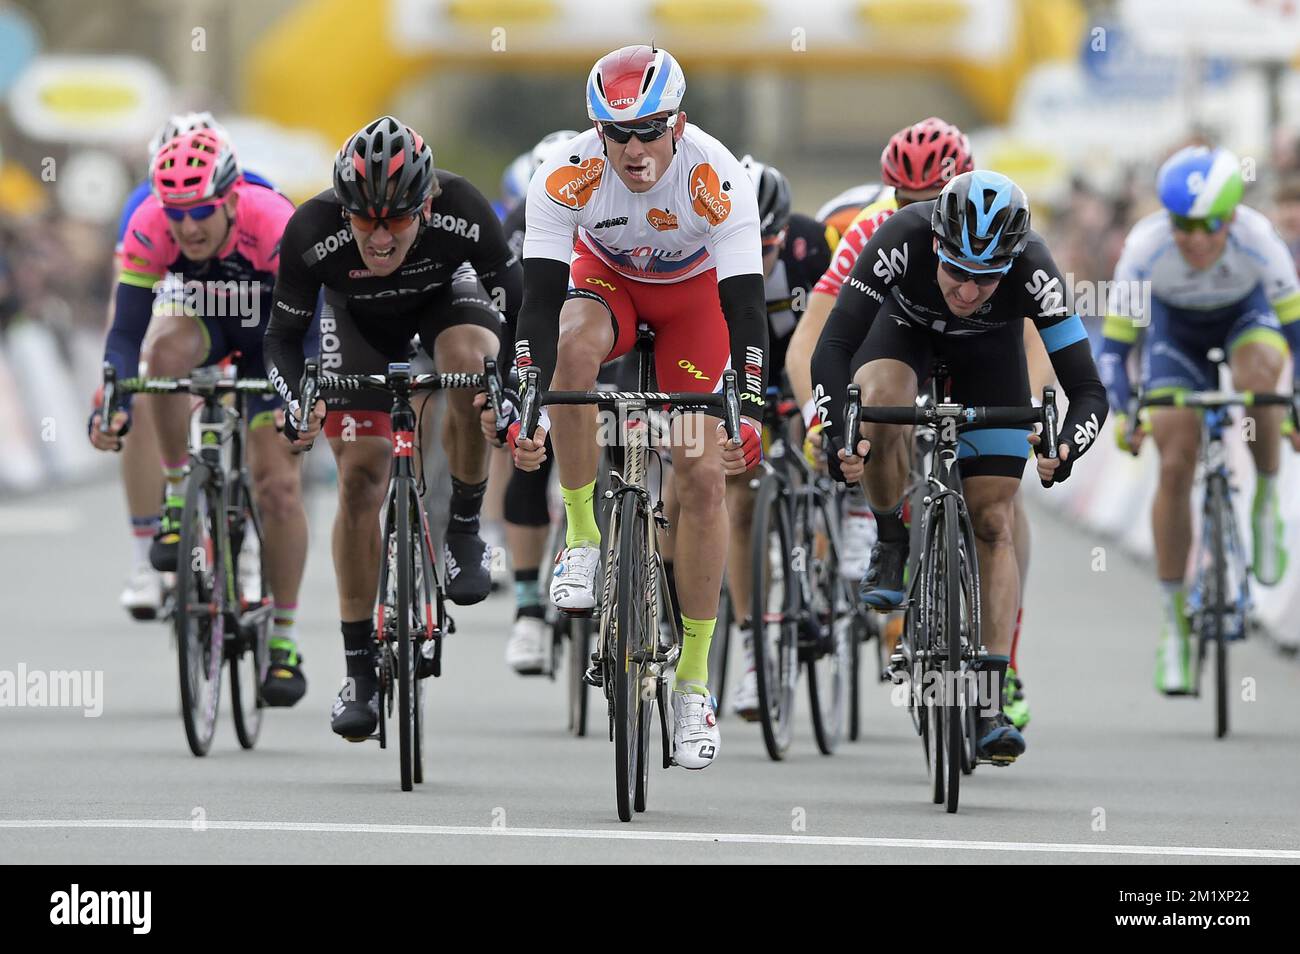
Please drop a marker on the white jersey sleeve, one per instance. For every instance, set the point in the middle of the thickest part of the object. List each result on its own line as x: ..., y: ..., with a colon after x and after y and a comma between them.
x: 1277, y: 271
x: 735, y: 238
x: 549, y: 227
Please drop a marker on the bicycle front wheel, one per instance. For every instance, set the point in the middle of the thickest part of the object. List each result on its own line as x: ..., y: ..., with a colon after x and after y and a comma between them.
x: 831, y: 662
x: 1219, y: 602
x: 407, y: 725
x: 949, y: 588
x: 775, y: 613
x: 632, y: 646
x: 199, y: 620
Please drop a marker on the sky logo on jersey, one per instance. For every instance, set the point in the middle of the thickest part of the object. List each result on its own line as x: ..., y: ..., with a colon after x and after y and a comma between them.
x: 573, y: 186
x: 661, y: 220
x: 890, y: 268
x: 1048, y: 292
x: 708, y: 198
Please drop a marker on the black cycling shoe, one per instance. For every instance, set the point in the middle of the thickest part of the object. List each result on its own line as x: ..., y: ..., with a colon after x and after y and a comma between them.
x: 167, y: 541
x: 999, y: 740
x: 285, y: 683
x: 882, y: 586
x: 356, y: 710
x: 467, y: 561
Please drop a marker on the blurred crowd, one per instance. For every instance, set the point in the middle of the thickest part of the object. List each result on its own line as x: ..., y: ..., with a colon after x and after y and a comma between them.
x: 59, y: 271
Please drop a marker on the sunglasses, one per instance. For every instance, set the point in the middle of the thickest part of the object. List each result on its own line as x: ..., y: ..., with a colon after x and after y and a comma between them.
x: 982, y: 279
x: 648, y: 131
x: 197, y: 212
x: 1184, y: 224
x: 396, y: 224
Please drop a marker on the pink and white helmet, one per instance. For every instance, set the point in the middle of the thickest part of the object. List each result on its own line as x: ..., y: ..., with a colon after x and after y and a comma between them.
x: 633, y: 83
x: 195, y: 167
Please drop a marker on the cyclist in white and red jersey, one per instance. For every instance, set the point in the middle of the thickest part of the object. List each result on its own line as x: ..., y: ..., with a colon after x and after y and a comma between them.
x: 648, y: 219
x: 198, y: 263
x: 915, y: 165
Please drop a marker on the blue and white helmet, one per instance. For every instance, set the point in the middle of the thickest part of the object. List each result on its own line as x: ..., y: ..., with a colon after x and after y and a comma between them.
x: 981, y: 219
x: 1200, y: 183
x: 632, y: 83
x: 514, y: 181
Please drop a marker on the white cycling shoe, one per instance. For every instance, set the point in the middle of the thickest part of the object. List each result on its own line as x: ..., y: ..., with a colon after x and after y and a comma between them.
x: 573, y: 585
x: 857, y: 535
x: 696, y: 739
x: 142, y: 595
x: 529, y: 649
x: 744, y: 700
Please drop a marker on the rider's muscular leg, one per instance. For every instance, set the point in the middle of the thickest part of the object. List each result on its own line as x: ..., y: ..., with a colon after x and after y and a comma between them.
x: 586, y: 337
x: 989, y: 500
x: 1177, y: 435
x: 890, y: 383
x: 1257, y: 367
x: 277, y: 487
x: 141, y: 477
x: 462, y: 348
x: 702, y: 540
x: 363, y: 465
x: 740, y: 561
x: 176, y: 345
x: 803, y: 342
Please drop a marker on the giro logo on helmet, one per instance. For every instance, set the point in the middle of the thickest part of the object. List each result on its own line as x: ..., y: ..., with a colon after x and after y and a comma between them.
x: 625, y: 101
x: 572, y: 186
x: 707, y: 198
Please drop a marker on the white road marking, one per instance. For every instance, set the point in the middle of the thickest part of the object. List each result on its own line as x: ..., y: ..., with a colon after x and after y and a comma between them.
x: 631, y: 834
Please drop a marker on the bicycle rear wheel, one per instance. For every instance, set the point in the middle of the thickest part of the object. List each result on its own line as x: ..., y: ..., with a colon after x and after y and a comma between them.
x: 199, y: 620
x: 775, y: 614
x: 427, y: 626
x: 830, y: 665
x: 249, y: 653
x: 631, y: 642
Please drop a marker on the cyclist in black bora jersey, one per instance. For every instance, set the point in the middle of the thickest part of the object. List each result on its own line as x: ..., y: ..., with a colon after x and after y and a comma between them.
x: 401, y: 248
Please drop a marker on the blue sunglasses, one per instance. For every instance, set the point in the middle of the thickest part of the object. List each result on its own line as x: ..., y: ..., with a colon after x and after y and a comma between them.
x: 198, y: 212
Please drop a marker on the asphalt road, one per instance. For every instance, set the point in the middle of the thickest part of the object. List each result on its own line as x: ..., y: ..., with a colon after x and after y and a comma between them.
x: 1113, y: 773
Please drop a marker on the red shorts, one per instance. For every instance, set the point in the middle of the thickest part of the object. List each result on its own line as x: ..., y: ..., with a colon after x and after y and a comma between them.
x: 692, y: 341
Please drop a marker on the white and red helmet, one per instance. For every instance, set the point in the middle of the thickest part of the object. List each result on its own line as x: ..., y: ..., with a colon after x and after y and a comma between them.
x: 633, y: 83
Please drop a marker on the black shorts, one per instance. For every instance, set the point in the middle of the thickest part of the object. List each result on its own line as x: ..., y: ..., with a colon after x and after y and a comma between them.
x: 987, y: 369
x: 367, y: 346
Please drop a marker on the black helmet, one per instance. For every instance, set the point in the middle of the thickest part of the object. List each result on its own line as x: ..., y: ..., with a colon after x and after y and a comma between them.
x: 981, y: 219
x: 773, y: 191
x: 383, y: 170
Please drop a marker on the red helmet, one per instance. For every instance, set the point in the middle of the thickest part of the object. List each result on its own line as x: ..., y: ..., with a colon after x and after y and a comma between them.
x: 925, y: 156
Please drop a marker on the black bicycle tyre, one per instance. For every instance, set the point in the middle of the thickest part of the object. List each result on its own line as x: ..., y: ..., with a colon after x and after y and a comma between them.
x: 775, y: 696
x: 200, y: 518
x: 831, y: 689
x: 1219, y: 514
x: 405, y: 659
x: 432, y: 604
x: 954, y: 715
x: 250, y: 656
x: 628, y: 640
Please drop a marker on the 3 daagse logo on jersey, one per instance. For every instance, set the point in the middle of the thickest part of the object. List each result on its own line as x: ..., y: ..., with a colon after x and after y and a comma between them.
x: 707, y: 198
x: 661, y: 220
x: 572, y: 186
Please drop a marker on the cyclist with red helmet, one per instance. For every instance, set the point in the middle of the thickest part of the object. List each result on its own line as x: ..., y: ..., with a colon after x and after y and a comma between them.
x: 915, y: 165
x: 198, y: 261
x: 401, y: 248
x: 646, y: 218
